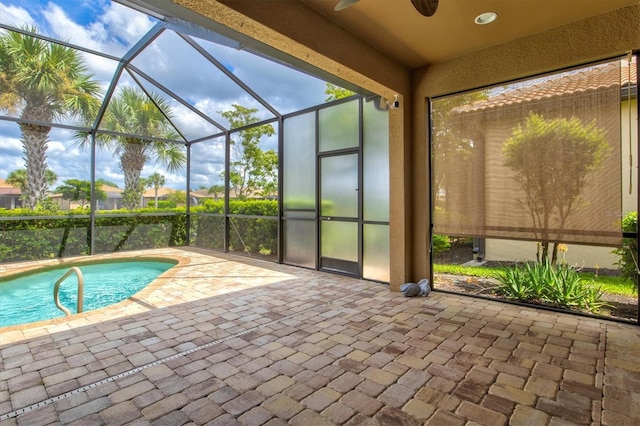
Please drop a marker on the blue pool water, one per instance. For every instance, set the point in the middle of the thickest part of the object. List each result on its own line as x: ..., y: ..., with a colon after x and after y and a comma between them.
x: 30, y: 298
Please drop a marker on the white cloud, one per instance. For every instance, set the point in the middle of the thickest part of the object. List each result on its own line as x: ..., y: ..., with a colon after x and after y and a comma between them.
x: 125, y: 23
x: 102, y: 68
x: 15, y: 16
x: 10, y: 146
x: 11, y: 154
x: 114, y: 31
x: 107, y: 173
x: 65, y: 29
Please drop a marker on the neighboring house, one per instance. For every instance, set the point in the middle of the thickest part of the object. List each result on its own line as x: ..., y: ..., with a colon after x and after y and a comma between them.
x: 493, y: 202
x: 203, y: 194
x: 197, y: 197
x: 63, y: 204
x: 113, y: 200
x: 149, y: 196
x: 9, y: 196
x: 200, y: 195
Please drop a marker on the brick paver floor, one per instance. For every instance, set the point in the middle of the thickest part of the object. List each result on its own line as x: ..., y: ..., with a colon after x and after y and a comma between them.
x: 222, y: 340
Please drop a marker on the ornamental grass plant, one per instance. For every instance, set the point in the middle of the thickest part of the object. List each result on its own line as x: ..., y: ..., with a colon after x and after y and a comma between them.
x: 556, y: 285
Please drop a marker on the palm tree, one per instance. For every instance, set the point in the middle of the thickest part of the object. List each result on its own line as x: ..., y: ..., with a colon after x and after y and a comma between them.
x: 132, y: 112
x: 215, y: 190
x: 42, y: 81
x: 156, y: 180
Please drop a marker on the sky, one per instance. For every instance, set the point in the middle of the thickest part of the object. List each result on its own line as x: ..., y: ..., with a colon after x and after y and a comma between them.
x: 113, y: 29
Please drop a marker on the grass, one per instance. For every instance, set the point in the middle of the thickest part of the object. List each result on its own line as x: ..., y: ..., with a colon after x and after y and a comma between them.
x: 610, y: 284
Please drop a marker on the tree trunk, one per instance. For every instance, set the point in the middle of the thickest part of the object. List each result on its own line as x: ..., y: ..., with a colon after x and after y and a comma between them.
x: 34, y: 144
x: 132, y: 161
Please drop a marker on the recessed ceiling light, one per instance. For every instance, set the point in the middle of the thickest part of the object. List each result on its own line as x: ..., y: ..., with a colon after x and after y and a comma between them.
x: 486, y: 18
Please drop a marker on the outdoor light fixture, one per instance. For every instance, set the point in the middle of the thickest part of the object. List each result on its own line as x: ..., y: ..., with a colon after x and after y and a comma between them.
x: 485, y: 18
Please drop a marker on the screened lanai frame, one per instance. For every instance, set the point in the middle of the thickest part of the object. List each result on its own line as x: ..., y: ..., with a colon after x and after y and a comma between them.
x: 124, y: 64
x: 127, y: 67
x: 627, y: 120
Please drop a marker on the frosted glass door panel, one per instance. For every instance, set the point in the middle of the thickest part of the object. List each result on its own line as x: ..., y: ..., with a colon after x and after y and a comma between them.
x: 339, y: 240
x: 376, y: 253
x: 339, y: 186
x: 299, y: 185
x: 339, y: 128
x: 300, y: 243
x: 376, y: 164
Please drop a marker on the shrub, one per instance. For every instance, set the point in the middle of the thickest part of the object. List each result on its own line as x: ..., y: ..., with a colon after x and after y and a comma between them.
x: 441, y: 243
x: 57, y: 234
x: 541, y: 282
x: 627, y: 256
x: 164, y: 204
x: 514, y: 285
x: 255, y: 236
x: 28, y: 235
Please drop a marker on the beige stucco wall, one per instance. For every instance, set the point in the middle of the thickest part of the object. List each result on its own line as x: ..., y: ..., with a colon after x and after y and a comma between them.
x: 596, y: 38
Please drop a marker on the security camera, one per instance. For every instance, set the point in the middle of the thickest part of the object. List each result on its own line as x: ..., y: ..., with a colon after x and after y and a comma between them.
x: 396, y: 102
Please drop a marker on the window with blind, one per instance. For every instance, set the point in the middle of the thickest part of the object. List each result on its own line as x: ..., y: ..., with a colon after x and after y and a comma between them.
x: 538, y: 160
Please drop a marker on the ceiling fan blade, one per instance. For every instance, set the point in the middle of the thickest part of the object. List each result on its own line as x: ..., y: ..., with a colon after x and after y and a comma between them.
x: 343, y: 4
x: 425, y: 7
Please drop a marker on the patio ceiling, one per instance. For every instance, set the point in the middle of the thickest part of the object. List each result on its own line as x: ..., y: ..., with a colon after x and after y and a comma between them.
x: 315, y: 37
x: 400, y: 32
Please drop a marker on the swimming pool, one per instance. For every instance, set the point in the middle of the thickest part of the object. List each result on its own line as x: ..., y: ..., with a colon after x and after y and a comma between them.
x: 29, y: 298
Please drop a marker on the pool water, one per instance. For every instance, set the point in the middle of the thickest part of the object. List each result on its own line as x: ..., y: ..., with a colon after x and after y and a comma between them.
x: 30, y: 298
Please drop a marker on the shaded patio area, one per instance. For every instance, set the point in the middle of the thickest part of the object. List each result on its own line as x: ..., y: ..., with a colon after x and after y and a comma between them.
x: 231, y: 340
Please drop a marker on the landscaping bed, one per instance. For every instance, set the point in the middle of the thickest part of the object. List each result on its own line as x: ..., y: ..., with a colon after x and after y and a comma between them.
x: 619, y: 306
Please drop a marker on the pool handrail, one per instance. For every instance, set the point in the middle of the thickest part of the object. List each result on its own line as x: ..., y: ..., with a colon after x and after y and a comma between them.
x: 56, y: 290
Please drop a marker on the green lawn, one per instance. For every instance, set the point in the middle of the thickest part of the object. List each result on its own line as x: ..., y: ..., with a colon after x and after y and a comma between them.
x: 610, y: 284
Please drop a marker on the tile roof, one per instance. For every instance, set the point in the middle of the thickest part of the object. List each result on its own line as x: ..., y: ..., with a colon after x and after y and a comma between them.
x: 588, y: 79
x: 162, y: 192
x: 109, y: 188
x: 8, y: 189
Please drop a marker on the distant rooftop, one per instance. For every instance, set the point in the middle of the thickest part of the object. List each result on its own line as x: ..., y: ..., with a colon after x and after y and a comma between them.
x: 602, y: 77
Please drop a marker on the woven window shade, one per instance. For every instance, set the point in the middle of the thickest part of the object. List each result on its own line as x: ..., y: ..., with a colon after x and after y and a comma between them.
x: 537, y: 160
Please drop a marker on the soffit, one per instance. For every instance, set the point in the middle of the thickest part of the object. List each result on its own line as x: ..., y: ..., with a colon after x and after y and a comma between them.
x: 396, y: 29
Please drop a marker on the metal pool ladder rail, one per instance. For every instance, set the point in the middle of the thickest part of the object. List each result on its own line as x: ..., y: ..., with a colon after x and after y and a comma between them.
x: 56, y: 289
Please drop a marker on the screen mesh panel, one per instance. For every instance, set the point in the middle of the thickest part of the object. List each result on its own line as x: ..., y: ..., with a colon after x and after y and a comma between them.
x: 537, y: 160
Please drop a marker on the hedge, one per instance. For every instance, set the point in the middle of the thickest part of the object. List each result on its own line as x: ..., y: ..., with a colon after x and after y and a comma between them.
x: 68, y: 234
x: 63, y: 234
x: 255, y: 236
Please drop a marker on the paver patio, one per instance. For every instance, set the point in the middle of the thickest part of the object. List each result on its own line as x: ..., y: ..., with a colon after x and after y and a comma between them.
x: 229, y: 340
